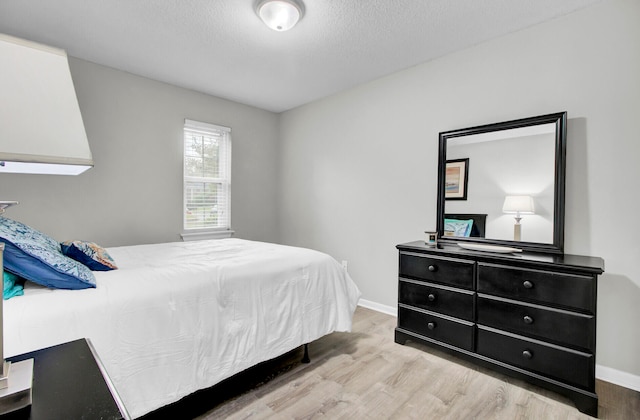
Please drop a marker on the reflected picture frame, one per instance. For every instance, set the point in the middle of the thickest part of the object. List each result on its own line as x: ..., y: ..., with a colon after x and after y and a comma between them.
x: 456, y: 179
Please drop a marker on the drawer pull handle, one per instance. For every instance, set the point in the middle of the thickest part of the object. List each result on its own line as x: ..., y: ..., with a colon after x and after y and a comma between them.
x: 431, y: 325
x: 433, y: 268
x: 431, y: 297
x: 528, y: 319
x: 527, y: 354
x: 527, y: 284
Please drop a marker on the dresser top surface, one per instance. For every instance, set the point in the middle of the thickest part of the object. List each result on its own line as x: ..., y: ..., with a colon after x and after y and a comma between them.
x: 593, y: 265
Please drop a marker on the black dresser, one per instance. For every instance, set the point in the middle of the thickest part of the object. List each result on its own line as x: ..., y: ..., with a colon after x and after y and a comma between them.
x: 529, y: 315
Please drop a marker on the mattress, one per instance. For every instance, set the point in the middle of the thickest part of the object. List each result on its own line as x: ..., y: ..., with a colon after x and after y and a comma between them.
x: 179, y: 317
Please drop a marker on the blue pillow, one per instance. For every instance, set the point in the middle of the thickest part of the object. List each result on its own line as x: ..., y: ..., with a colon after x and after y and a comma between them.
x: 34, y: 256
x: 90, y: 254
x: 459, y: 228
x: 13, y: 285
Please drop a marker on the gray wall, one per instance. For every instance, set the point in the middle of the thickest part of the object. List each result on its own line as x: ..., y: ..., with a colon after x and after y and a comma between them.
x: 358, y: 171
x: 133, y: 195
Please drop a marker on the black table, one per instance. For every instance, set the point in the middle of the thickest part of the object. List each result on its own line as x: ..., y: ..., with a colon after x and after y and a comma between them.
x: 68, y: 383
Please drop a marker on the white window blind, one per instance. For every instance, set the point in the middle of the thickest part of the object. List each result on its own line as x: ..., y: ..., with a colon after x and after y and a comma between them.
x: 207, y: 176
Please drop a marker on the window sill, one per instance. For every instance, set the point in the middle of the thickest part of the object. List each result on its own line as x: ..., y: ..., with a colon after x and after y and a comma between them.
x: 199, y: 236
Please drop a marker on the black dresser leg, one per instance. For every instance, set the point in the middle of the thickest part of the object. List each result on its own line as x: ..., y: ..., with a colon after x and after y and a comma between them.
x: 586, y: 404
x: 400, y: 338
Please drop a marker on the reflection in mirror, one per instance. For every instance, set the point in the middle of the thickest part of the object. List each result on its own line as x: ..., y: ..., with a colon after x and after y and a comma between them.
x: 512, y: 185
x: 517, y: 162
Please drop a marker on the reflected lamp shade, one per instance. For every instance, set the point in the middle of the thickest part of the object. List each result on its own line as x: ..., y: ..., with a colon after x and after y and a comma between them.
x: 41, y: 127
x: 518, y: 204
x: 280, y: 15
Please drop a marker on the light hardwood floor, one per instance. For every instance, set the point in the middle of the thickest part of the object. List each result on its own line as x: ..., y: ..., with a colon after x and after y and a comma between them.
x: 366, y: 375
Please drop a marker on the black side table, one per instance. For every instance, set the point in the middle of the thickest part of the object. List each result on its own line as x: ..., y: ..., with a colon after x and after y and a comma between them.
x: 69, y: 382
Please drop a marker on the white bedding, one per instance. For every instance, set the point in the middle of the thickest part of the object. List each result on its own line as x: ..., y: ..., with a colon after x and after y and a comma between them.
x: 178, y: 317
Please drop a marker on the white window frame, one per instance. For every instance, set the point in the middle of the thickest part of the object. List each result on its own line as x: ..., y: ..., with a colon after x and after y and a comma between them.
x: 191, y: 127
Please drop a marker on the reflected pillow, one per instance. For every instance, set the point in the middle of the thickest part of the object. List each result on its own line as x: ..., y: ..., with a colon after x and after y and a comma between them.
x: 36, y: 257
x: 459, y: 228
x: 90, y: 254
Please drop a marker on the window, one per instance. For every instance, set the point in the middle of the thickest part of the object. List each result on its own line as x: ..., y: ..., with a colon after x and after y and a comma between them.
x: 207, y: 176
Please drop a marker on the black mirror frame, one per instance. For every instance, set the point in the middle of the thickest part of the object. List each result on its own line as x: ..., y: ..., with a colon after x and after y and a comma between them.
x: 560, y: 120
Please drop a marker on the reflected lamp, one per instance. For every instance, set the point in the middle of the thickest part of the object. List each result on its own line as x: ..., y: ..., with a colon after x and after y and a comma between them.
x: 518, y: 205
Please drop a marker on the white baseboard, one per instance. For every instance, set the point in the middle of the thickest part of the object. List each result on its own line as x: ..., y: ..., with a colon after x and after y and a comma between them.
x: 603, y: 373
x: 618, y: 377
x: 389, y: 310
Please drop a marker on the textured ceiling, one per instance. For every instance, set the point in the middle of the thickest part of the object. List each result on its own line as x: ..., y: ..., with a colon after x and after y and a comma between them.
x: 221, y: 47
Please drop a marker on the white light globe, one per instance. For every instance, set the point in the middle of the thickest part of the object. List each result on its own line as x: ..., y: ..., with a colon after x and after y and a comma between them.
x: 279, y: 15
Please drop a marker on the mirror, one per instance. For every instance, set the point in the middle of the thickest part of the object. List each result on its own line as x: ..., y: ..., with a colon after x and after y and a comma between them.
x: 503, y: 184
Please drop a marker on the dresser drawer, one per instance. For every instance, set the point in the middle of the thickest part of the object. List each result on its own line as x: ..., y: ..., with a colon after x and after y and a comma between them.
x: 441, y: 328
x: 573, y: 367
x: 441, y: 299
x: 546, y: 287
x: 558, y: 326
x: 449, y: 271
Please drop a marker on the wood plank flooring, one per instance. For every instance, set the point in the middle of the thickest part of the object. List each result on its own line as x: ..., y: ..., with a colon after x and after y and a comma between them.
x: 366, y: 375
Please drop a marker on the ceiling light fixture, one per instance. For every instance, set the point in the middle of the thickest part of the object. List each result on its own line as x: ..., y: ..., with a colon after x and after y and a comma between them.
x: 280, y: 15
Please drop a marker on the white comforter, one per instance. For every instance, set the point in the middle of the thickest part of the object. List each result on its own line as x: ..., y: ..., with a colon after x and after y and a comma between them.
x: 178, y: 317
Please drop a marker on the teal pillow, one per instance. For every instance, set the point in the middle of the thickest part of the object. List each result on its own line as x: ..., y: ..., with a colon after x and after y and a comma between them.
x: 459, y: 228
x: 13, y: 285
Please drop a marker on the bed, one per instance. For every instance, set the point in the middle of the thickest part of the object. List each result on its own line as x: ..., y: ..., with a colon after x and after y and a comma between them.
x: 175, y: 318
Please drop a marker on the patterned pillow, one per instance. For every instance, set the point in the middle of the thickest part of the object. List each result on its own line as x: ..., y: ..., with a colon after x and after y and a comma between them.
x: 34, y: 256
x: 90, y: 254
x: 459, y: 228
